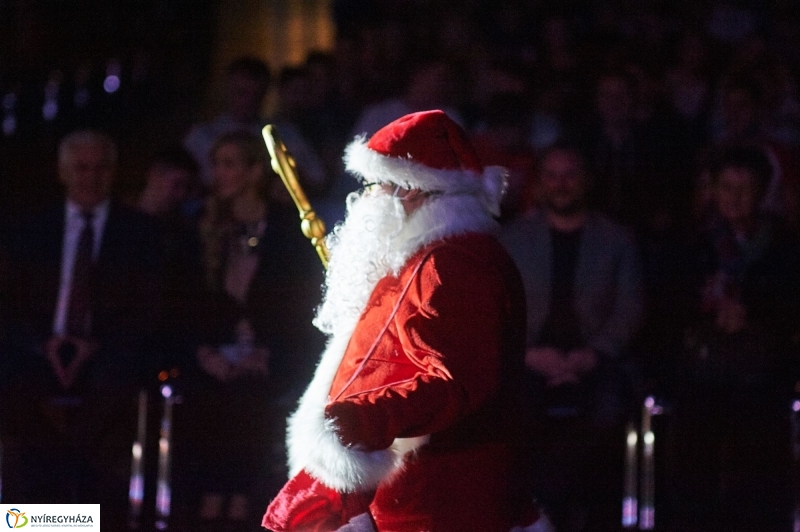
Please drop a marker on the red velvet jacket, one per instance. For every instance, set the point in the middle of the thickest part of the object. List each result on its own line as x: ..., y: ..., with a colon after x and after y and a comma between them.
x: 419, y: 418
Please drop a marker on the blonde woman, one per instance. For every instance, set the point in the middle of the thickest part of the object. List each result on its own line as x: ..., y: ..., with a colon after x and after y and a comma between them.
x: 254, y: 327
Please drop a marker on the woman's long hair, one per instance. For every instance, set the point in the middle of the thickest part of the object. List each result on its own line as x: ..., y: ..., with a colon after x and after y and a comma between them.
x: 218, y: 227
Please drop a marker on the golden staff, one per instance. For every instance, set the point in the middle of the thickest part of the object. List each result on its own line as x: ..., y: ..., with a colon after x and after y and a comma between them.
x: 284, y: 165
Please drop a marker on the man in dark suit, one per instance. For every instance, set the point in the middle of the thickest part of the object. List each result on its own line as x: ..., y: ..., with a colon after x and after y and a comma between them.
x: 83, y: 291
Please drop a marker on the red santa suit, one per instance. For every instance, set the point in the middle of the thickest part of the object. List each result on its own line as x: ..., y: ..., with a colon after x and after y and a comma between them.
x: 411, y: 414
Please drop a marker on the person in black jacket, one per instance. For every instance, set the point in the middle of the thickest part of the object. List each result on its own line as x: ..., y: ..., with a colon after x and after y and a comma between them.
x: 83, y: 292
x: 255, y: 341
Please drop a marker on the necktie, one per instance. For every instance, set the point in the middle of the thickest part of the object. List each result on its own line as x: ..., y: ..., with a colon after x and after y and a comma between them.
x: 80, y: 296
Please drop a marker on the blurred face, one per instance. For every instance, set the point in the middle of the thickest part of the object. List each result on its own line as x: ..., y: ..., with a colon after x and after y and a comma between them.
x: 736, y: 194
x: 245, y: 96
x: 562, y: 183
x: 295, y: 95
x: 171, y: 185
x: 87, y: 173
x: 232, y: 176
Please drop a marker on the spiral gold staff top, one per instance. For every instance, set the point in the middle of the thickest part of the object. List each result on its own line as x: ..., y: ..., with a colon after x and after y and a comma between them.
x: 283, y: 164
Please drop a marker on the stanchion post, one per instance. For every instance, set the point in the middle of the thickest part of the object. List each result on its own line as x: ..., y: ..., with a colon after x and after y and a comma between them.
x: 163, y: 485
x: 647, y: 510
x: 630, y: 499
x: 136, y: 486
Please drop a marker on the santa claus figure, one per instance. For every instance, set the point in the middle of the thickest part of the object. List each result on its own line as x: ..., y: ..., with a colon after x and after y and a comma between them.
x: 408, y: 423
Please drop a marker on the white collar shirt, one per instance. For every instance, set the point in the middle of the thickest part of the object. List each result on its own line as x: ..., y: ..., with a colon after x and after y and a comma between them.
x: 73, y: 226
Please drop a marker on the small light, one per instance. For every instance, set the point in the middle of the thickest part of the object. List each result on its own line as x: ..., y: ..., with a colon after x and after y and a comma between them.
x: 137, y: 450
x: 166, y: 391
x: 111, y: 84
x: 50, y: 110
x: 649, y: 438
x: 163, y: 375
x: 796, y: 406
x: 632, y: 439
x: 650, y: 402
x: 252, y: 241
x: 9, y: 125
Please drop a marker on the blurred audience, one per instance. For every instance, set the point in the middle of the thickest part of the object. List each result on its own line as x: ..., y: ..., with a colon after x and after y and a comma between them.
x: 294, y: 105
x: 171, y: 196
x: 636, y: 157
x: 247, y: 82
x: 84, y: 300
x: 734, y: 380
x: 584, y: 290
x: 171, y: 180
x: 254, y: 335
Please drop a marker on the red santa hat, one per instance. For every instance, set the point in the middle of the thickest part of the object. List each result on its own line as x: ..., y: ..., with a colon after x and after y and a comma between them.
x: 427, y: 151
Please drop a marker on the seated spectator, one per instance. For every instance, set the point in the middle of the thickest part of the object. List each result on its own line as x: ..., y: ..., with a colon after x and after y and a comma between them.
x: 733, y: 383
x: 639, y: 164
x: 741, y: 121
x: 256, y: 341
x: 171, y: 195
x: 83, y: 300
x: 247, y: 82
x: 331, y: 114
x: 584, y: 300
x: 171, y: 180
x: 293, y: 112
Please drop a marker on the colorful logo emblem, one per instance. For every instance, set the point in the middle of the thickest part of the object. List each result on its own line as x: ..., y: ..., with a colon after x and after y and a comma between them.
x: 15, y: 518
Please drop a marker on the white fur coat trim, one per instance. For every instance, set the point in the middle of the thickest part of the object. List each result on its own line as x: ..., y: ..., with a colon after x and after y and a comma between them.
x: 406, y: 172
x: 311, y: 441
x: 314, y: 446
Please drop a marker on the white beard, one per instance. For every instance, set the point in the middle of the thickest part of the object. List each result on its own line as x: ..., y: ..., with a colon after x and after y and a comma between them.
x: 363, y: 250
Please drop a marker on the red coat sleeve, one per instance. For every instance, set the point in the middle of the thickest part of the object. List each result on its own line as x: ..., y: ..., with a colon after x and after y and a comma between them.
x: 449, y: 326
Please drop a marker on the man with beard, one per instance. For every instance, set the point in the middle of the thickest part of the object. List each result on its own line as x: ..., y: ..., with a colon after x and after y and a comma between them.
x: 407, y: 423
x: 584, y: 302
